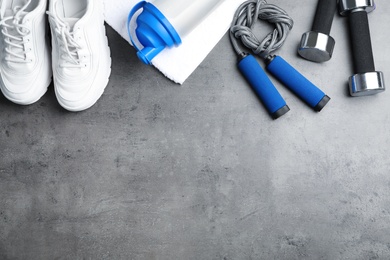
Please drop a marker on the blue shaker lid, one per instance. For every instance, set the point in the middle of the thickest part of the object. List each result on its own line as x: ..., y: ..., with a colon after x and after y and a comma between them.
x: 153, y: 31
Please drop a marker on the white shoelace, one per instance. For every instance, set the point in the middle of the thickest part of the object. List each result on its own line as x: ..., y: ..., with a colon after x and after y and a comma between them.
x: 14, y: 33
x: 69, y: 48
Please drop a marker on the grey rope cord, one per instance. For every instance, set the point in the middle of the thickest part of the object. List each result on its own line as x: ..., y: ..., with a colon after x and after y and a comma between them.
x: 246, y: 16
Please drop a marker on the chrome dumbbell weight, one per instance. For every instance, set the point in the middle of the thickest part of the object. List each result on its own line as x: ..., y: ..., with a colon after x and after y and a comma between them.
x: 317, y: 45
x: 365, y: 81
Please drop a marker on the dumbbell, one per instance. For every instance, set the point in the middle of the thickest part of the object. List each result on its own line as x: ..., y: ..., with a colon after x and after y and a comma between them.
x: 317, y: 45
x: 365, y: 81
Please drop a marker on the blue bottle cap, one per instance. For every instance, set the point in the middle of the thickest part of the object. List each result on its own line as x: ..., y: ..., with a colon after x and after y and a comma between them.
x: 153, y: 31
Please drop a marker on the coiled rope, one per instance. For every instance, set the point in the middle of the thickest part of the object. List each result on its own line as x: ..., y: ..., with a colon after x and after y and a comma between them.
x: 245, y: 18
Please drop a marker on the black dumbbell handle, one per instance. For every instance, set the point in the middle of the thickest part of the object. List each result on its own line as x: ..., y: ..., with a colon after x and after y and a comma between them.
x: 361, y: 42
x: 324, y: 16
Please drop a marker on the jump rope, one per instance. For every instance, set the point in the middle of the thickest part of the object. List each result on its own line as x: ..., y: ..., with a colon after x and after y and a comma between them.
x: 241, y: 33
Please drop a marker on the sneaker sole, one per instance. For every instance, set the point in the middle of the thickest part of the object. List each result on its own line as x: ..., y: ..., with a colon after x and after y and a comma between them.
x: 35, y: 96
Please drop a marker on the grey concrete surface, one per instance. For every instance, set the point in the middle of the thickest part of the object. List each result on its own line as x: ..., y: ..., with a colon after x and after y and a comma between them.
x: 156, y: 170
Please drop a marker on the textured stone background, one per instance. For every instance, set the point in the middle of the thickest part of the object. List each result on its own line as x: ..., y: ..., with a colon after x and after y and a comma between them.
x: 157, y: 170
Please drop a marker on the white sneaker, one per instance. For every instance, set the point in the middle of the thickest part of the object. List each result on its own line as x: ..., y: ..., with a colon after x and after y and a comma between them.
x: 80, y: 53
x: 24, y: 55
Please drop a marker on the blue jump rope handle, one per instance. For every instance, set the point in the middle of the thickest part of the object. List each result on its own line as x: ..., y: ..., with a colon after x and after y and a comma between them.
x: 296, y: 82
x: 263, y: 86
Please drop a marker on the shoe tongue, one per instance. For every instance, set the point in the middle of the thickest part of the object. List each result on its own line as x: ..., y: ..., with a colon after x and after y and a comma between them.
x: 10, y: 7
x: 8, y: 13
x: 71, y: 22
x: 11, y: 13
x: 18, y: 15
